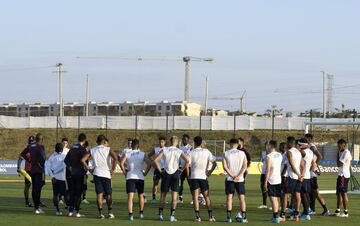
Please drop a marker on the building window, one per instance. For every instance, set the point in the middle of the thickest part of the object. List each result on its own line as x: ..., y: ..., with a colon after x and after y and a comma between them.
x: 121, y: 108
x: 130, y: 107
x: 159, y: 108
x: 168, y: 108
x: 52, y: 108
x: 94, y: 108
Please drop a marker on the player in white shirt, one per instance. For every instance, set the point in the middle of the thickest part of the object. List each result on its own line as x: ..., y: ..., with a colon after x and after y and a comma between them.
x: 283, y: 148
x: 186, y: 148
x: 262, y: 177
x: 307, y: 156
x: 314, y: 191
x: 296, y: 176
x: 200, y: 158
x: 104, y: 165
x: 273, y: 178
x: 170, y: 175
x: 126, y: 149
x: 235, y: 165
x: 56, y: 169
x: 344, y: 159
x: 157, y: 174
x: 134, y: 161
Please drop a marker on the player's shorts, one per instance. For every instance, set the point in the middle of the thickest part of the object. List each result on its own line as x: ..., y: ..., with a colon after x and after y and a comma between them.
x: 305, y: 186
x: 183, y: 174
x: 170, y: 181
x: 231, y: 187
x: 59, y: 188
x: 274, y: 190
x: 284, y: 184
x: 201, y: 184
x: 26, y: 181
x: 102, y: 185
x: 314, y: 183
x: 157, y: 175
x: 262, y: 182
x: 133, y: 185
x: 294, y: 186
x: 342, y: 184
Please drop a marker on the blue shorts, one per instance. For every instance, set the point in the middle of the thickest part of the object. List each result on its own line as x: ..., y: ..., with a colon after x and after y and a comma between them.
x: 305, y: 186
x: 133, y: 185
x: 342, y: 184
x: 314, y: 183
x: 157, y: 175
x: 231, y: 187
x: 170, y: 181
x: 274, y: 190
x: 294, y: 186
x: 203, y: 185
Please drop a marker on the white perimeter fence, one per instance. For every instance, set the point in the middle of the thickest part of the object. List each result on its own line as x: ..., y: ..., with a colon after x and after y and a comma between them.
x: 163, y: 123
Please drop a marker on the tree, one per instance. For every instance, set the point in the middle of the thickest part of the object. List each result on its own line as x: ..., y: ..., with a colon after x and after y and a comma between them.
x: 277, y: 111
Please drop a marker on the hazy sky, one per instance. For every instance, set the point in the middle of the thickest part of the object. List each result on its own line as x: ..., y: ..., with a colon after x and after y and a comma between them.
x: 258, y: 46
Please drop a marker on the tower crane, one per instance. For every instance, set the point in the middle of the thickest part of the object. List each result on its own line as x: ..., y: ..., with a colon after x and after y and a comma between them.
x: 241, y: 99
x: 185, y: 59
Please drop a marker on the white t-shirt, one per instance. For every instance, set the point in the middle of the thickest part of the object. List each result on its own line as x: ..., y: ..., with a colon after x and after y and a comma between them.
x: 312, y: 172
x: 55, y: 166
x: 296, y: 157
x: 66, y: 151
x: 234, y: 159
x: 186, y: 149
x: 308, y: 158
x: 134, y: 164
x: 275, y: 167
x: 199, y: 162
x: 171, y: 159
x: 126, y: 150
x: 263, y: 157
x: 284, y: 163
x: 102, y: 161
x: 345, y: 158
x: 157, y: 152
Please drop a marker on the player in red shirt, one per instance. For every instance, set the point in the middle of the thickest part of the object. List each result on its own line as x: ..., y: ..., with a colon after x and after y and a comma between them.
x: 26, y: 152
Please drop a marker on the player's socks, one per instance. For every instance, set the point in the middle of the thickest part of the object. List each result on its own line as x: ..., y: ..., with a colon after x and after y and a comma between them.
x: 324, y: 207
x: 100, y: 211
x: 228, y: 214
x: 210, y: 214
x: 172, y: 212
x: 282, y: 213
x: 243, y: 214
x: 161, y: 210
x: 275, y: 215
x: 197, y: 214
x: 153, y: 196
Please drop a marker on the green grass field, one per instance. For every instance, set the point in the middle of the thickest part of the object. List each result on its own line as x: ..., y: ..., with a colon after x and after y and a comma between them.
x: 13, y: 212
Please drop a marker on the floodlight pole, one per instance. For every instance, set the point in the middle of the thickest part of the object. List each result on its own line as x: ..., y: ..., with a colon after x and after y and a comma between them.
x: 323, y: 93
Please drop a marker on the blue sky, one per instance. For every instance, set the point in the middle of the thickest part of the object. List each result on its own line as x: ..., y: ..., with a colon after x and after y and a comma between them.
x: 260, y: 46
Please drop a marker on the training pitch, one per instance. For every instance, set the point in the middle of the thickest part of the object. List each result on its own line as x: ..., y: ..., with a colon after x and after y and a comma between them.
x: 13, y: 212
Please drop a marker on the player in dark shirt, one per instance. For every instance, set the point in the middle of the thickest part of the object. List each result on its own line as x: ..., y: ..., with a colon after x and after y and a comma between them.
x: 78, y: 174
x: 37, y: 172
x: 26, y: 154
x: 241, y: 147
